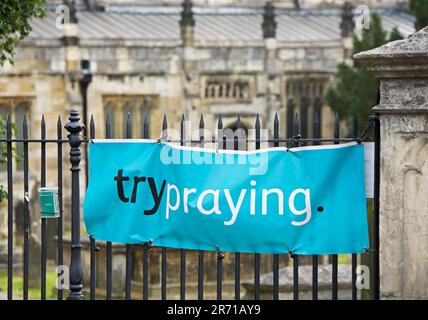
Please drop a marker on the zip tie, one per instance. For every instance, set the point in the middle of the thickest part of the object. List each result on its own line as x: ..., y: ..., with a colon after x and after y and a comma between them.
x: 95, y: 247
x: 292, y: 141
x: 358, y: 140
x: 148, y: 245
x: 220, y: 254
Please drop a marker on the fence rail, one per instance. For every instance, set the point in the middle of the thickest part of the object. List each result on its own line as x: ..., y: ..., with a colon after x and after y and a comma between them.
x: 75, y: 139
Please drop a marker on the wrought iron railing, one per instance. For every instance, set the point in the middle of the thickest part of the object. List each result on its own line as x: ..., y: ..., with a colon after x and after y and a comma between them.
x: 75, y: 140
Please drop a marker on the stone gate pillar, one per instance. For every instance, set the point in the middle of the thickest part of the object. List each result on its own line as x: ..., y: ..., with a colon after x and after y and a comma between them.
x: 402, y: 67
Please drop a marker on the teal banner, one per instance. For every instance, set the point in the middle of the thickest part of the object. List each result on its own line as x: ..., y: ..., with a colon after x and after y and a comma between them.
x: 308, y: 200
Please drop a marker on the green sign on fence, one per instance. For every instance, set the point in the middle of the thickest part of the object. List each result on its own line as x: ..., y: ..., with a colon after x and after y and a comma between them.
x: 49, y: 207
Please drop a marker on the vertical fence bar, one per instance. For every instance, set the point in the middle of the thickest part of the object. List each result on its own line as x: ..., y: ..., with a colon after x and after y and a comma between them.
x: 295, y: 257
x: 222, y: 145
x: 92, y: 248
x: 109, y: 267
x: 74, y: 127
x: 145, y: 272
x: 314, y: 277
x: 129, y: 253
x: 201, y: 252
x: 182, y: 251
x: 376, y: 207
x: 146, y: 247
x: 128, y: 258
x: 256, y: 255
x: 26, y: 210
x: 164, y: 252
x: 9, y: 211
x: 276, y: 256
x: 164, y: 275
x: 354, y: 276
x: 315, y: 135
x: 220, y: 257
x: 60, y: 257
x: 43, y: 220
x: 334, y: 257
x: 146, y: 127
x: 354, y: 256
x: 237, y: 254
x: 91, y: 238
x: 109, y: 254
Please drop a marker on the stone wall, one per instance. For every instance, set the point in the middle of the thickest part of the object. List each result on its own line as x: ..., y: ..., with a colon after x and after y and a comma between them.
x: 402, y: 67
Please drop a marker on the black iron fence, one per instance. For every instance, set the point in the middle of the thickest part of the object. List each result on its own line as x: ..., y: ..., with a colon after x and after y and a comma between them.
x: 75, y: 139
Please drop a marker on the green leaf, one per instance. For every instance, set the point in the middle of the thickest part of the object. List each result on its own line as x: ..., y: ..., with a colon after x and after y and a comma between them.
x: 15, y: 24
x: 420, y: 9
x: 356, y: 90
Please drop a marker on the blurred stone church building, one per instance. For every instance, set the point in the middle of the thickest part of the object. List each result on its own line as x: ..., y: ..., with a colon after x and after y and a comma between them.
x: 149, y: 58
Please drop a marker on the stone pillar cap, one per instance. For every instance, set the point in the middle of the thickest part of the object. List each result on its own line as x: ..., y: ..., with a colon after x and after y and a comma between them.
x: 407, y: 58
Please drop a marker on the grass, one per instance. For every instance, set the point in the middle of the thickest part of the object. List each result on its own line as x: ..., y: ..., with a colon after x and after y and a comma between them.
x: 33, y: 291
x: 343, y: 259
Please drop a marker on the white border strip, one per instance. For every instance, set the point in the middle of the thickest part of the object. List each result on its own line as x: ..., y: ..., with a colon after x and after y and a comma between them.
x: 296, y: 149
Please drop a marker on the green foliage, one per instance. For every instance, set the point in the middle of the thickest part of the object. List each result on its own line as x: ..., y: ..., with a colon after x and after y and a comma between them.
x: 355, y: 94
x: 420, y: 9
x: 395, y: 35
x: 372, y: 37
x: 33, y: 290
x: 356, y: 91
x: 15, y: 24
